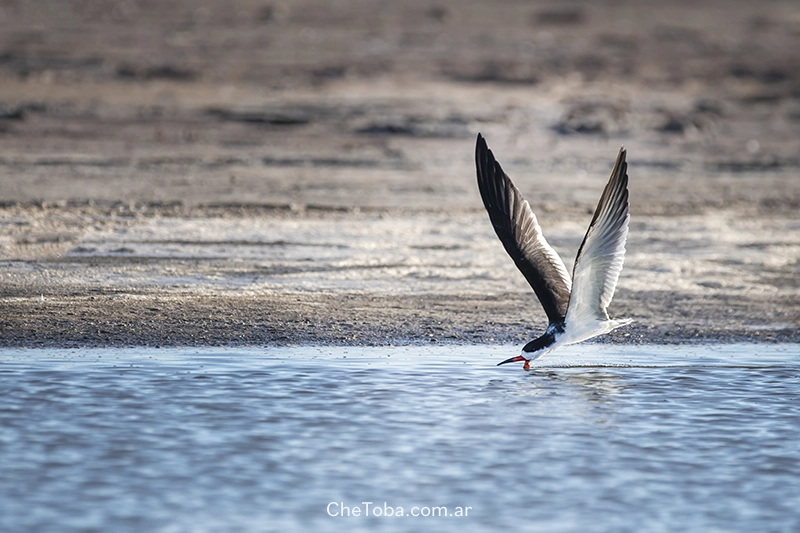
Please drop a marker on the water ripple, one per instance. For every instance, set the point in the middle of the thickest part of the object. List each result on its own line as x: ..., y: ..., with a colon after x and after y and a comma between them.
x: 597, y: 438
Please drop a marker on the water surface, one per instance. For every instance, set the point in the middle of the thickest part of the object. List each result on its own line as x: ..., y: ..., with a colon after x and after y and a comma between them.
x: 595, y: 438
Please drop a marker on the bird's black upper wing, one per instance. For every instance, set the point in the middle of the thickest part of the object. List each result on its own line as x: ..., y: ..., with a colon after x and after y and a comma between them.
x: 521, y: 235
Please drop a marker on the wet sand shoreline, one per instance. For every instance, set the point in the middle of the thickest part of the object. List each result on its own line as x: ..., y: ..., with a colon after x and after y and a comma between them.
x: 350, y: 320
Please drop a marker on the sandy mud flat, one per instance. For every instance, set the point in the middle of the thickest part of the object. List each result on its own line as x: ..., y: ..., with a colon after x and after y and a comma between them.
x: 289, y: 172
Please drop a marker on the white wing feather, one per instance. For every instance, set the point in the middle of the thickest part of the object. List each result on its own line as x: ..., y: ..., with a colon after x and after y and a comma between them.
x: 599, y: 261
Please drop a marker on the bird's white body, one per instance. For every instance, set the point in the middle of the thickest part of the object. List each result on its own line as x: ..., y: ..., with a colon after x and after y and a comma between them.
x: 578, y: 331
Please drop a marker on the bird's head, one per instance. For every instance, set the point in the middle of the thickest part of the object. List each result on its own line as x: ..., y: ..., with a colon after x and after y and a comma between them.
x: 533, y: 350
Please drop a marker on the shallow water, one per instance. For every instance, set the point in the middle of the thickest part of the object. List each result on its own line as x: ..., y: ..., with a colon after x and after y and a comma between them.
x: 595, y: 438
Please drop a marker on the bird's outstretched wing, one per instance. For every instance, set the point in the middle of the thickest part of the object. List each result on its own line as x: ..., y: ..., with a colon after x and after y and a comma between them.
x: 600, y: 257
x: 521, y: 235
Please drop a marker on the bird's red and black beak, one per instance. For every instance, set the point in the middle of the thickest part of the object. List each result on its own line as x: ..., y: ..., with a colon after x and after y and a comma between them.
x: 516, y: 359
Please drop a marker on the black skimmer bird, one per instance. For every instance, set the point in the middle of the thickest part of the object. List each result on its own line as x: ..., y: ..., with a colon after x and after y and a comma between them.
x: 577, y: 308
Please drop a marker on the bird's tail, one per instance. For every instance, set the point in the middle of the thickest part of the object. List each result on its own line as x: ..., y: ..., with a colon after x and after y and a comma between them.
x: 619, y: 322
x: 589, y: 330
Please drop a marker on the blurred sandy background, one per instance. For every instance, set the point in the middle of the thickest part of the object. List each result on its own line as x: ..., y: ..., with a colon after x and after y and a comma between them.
x: 192, y: 172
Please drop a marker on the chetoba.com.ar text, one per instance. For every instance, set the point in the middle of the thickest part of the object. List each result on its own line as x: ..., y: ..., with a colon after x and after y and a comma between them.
x: 339, y: 509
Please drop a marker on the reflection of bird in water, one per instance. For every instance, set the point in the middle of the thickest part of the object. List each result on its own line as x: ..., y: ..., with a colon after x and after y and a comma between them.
x: 577, y: 307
